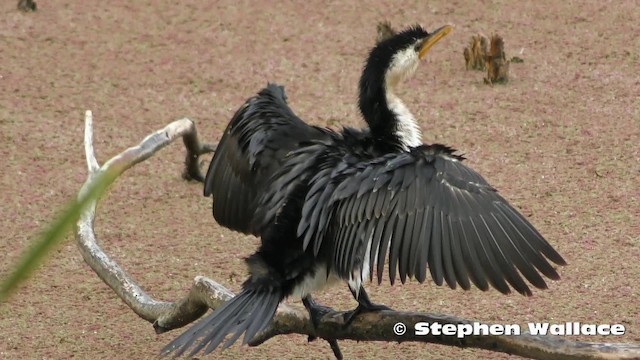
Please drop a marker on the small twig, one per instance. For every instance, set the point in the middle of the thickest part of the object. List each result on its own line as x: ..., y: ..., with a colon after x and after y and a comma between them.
x: 194, y: 150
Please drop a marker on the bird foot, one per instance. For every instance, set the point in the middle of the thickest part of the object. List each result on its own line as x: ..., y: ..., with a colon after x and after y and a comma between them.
x: 349, y: 316
x: 316, y: 312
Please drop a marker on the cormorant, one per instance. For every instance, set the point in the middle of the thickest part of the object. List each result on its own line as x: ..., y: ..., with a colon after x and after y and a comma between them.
x: 330, y: 205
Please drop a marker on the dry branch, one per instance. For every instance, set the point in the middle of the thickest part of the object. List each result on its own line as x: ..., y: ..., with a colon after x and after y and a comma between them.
x: 107, y: 269
x: 206, y: 293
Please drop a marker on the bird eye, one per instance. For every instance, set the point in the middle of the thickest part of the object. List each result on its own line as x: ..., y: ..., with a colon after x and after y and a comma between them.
x: 417, y: 47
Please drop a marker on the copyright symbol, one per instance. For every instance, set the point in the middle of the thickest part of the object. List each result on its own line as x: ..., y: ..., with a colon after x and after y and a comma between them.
x: 399, y: 329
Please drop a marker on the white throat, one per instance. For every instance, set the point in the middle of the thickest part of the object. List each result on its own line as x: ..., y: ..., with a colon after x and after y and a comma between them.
x: 407, y: 129
x: 403, y: 65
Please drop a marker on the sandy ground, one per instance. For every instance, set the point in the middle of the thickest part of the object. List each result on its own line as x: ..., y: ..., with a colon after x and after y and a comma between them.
x: 560, y: 141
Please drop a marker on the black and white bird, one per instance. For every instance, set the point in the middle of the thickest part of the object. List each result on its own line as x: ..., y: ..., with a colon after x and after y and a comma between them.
x: 332, y: 206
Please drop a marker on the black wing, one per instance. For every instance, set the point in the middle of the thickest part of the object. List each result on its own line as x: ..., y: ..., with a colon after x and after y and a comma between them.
x: 252, y: 148
x: 425, y: 207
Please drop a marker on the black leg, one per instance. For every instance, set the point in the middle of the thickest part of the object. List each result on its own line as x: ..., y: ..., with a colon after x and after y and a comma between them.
x: 316, y: 312
x: 364, y: 305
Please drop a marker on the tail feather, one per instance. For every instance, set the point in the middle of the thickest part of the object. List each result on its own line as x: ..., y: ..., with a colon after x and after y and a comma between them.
x: 262, y: 315
x: 254, y: 328
x: 219, y: 320
x: 249, y: 312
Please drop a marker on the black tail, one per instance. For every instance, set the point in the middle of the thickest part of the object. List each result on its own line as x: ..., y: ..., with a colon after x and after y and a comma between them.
x: 248, y: 312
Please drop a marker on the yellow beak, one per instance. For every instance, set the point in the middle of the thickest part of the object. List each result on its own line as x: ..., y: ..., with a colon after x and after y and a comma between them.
x: 433, y: 38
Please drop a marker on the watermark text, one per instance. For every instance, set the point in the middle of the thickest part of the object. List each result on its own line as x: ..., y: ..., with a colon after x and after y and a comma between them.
x: 476, y: 328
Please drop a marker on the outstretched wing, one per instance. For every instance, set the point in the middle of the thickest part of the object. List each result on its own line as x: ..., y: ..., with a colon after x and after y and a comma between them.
x: 425, y: 207
x: 252, y: 148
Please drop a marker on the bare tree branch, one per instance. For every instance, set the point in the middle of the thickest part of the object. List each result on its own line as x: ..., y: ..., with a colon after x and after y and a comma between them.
x: 107, y: 269
x: 206, y: 293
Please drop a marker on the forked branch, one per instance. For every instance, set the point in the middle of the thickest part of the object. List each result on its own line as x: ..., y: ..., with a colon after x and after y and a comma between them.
x: 206, y: 293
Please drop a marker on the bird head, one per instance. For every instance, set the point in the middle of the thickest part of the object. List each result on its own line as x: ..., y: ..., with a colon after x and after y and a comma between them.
x: 401, y: 53
x: 394, y: 58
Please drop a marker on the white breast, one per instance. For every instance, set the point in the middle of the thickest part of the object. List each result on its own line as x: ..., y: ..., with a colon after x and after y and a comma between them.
x: 407, y: 129
x: 315, y: 282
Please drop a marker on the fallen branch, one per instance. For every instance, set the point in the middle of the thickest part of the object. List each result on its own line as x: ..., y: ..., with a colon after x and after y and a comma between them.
x: 206, y: 293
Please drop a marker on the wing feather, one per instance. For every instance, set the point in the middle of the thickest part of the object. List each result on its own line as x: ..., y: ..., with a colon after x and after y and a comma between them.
x: 425, y: 243
x: 384, y: 245
x: 398, y: 233
x: 253, y: 148
x: 379, y: 226
x: 425, y: 208
x: 435, y: 250
x: 498, y: 246
x: 404, y: 260
x: 447, y: 258
x: 457, y: 256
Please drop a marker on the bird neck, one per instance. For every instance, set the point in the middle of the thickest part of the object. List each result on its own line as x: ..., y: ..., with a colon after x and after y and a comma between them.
x: 392, y: 125
x: 406, y: 128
